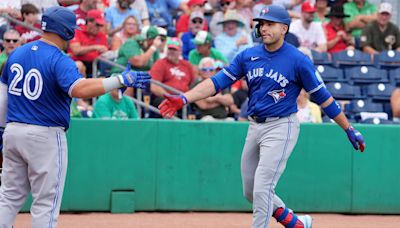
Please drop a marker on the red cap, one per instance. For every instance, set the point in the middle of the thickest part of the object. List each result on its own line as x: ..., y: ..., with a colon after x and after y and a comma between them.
x: 196, y: 2
x: 97, y: 15
x: 307, y: 7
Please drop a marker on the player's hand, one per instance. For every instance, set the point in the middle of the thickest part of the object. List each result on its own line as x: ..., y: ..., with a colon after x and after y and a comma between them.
x: 171, y: 104
x: 1, y: 138
x: 135, y: 79
x: 355, y: 138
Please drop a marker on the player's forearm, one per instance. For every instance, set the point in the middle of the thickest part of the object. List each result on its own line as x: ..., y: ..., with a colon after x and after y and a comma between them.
x: 94, y: 87
x: 203, y: 90
x: 340, y: 119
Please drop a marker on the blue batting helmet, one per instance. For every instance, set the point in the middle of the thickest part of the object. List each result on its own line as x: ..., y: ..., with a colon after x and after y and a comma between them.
x: 274, y: 13
x: 61, y: 21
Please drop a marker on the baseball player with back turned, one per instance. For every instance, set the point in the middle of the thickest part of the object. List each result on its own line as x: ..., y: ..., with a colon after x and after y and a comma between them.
x: 275, y: 72
x: 36, y: 87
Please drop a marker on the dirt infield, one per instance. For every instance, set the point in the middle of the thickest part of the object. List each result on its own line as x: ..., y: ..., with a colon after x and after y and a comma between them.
x: 205, y: 220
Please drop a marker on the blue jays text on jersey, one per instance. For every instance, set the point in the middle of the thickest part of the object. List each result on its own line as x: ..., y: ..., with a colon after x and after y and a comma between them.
x: 40, y: 78
x: 274, y: 78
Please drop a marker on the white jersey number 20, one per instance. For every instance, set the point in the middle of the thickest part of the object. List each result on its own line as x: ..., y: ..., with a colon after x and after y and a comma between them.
x: 31, y: 94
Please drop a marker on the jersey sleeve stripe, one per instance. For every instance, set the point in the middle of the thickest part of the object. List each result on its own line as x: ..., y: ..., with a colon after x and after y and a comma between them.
x: 73, y: 85
x: 316, y: 89
x: 229, y: 75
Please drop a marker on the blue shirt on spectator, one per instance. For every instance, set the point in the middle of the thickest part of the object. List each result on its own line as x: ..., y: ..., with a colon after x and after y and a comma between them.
x: 116, y: 18
x: 163, y: 9
x: 187, y: 44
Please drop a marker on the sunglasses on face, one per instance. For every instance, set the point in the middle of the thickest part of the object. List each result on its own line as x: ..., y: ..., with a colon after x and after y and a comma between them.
x: 207, y: 69
x: 225, y: 4
x: 198, y: 21
x: 11, y: 40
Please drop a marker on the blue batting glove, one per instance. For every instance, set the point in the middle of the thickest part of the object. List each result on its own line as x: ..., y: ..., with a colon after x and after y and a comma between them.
x: 1, y: 138
x: 135, y: 79
x: 355, y: 138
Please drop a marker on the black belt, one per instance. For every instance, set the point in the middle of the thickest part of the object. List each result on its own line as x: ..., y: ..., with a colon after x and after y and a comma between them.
x: 259, y: 119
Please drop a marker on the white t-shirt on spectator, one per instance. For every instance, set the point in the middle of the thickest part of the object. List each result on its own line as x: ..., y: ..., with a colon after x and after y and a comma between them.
x: 311, y: 37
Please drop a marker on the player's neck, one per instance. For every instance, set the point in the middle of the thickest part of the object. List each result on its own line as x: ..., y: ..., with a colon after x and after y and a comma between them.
x: 275, y: 46
x: 52, y: 40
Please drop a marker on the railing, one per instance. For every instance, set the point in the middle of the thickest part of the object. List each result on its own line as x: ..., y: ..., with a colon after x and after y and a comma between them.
x: 139, y: 92
x: 18, y: 22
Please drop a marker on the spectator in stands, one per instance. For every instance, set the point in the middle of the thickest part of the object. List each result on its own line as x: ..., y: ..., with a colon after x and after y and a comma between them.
x: 91, y: 42
x: 142, y: 51
x: 322, y: 9
x: 215, y: 107
x: 172, y: 71
x: 307, y: 110
x: 360, y: 12
x: 182, y: 25
x: 115, y: 15
x: 82, y: 10
x: 43, y: 5
x: 310, y: 33
x: 163, y: 8
x: 225, y: 5
x: 115, y: 105
x: 141, y: 7
x: 11, y: 41
x: 203, y: 42
x: 30, y: 15
x: 395, y: 103
x: 195, y: 25
x: 233, y: 39
x: 338, y: 38
x: 12, y: 9
x: 381, y: 34
x: 245, y: 9
x: 130, y: 28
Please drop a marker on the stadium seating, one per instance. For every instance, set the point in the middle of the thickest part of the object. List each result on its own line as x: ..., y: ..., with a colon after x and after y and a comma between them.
x: 321, y: 58
x: 330, y: 73
x: 365, y: 74
x: 387, y: 59
x: 394, y: 76
x: 380, y: 91
x: 344, y: 91
x: 376, y: 121
x: 364, y: 105
x: 351, y: 58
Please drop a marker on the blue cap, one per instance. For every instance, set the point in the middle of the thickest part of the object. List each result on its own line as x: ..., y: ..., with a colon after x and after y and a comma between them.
x: 274, y: 13
x: 61, y: 21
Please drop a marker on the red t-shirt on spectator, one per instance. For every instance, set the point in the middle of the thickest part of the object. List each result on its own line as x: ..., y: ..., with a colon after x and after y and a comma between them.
x: 331, y: 34
x: 27, y: 34
x: 179, y: 76
x: 86, y: 40
x: 182, y: 25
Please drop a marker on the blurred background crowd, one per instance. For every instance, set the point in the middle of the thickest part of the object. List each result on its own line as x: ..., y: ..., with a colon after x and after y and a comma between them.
x: 182, y: 42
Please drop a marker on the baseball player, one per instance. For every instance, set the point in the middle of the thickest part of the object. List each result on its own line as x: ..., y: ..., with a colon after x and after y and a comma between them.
x: 275, y: 72
x: 36, y: 87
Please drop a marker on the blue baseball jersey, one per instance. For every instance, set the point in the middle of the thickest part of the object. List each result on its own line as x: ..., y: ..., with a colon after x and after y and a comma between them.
x: 274, y: 78
x: 40, y: 78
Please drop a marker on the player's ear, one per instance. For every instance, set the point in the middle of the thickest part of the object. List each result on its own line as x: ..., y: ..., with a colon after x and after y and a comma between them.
x: 285, y: 29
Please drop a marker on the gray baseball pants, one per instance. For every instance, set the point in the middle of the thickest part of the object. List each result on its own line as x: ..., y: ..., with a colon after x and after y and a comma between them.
x: 265, y: 153
x: 35, y: 159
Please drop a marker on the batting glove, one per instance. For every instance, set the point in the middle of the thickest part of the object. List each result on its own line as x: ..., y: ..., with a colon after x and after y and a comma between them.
x: 171, y: 104
x: 135, y: 79
x: 355, y: 138
x: 1, y: 138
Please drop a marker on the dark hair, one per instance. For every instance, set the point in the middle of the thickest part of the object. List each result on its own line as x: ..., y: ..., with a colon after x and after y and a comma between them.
x: 29, y: 8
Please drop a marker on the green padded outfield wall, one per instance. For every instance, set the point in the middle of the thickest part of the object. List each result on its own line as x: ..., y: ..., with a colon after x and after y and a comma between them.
x: 194, y: 165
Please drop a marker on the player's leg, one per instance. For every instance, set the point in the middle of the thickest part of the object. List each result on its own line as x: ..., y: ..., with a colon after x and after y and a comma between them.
x: 249, y: 161
x: 15, y: 185
x: 47, y: 170
x: 278, y: 139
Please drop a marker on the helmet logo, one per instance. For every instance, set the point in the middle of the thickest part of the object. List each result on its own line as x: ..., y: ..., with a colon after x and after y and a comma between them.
x: 44, y: 24
x: 265, y: 11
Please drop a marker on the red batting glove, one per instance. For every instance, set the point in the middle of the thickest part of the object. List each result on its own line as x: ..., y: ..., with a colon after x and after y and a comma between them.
x: 171, y: 104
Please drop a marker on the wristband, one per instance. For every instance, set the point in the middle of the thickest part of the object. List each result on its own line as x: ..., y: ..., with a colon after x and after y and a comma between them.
x: 111, y: 83
x: 332, y: 110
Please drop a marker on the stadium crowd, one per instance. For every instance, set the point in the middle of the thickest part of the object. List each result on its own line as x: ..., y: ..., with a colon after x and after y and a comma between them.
x: 183, y: 42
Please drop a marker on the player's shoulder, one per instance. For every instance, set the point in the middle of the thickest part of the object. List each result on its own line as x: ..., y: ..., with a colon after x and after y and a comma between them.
x: 252, y: 51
